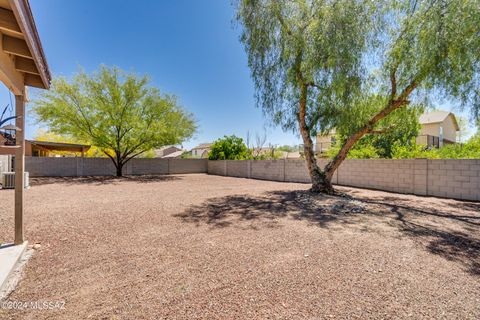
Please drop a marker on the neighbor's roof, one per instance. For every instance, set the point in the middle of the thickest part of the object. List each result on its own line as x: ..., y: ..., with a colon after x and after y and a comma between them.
x: 60, y: 146
x: 203, y: 146
x: 159, y: 152
x: 175, y: 154
x: 167, y: 147
x: 294, y: 155
x: 437, y: 117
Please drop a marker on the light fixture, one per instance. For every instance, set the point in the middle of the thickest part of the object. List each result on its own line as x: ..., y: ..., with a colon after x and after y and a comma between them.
x: 9, y: 136
x: 10, y: 127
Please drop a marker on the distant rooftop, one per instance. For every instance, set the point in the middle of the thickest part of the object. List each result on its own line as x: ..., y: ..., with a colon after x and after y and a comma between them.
x: 175, y: 154
x: 203, y: 146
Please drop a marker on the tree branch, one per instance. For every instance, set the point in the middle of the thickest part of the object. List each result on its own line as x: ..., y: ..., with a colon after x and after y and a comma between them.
x: 112, y: 158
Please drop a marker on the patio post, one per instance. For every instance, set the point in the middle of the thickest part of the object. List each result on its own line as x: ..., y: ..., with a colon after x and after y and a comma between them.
x: 19, y: 167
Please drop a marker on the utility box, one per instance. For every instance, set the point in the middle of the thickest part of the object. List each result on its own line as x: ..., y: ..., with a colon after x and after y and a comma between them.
x: 7, y: 180
x: 6, y: 163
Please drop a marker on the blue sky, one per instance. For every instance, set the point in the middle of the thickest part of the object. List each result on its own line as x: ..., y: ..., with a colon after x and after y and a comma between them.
x: 188, y: 48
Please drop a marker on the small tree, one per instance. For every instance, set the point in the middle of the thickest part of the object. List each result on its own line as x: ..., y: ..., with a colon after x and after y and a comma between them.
x: 229, y: 148
x: 355, y: 65
x: 114, y: 111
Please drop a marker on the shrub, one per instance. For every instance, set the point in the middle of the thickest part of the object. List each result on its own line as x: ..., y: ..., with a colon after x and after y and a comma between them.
x: 468, y: 150
x: 229, y: 148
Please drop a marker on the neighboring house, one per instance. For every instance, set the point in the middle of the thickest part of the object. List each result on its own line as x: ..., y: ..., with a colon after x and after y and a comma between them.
x: 35, y: 148
x: 325, y: 142
x: 437, y: 128
x: 168, y: 152
x: 202, y: 150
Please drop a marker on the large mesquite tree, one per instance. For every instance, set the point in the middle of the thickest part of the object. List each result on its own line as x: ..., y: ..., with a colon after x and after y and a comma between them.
x: 357, y: 66
x: 114, y: 111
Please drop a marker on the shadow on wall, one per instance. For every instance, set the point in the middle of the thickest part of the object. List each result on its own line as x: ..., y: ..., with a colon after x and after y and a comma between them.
x: 451, y: 230
x: 101, y: 180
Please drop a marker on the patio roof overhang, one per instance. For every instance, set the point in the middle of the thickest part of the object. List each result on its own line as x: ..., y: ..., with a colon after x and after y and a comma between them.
x: 59, y: 146
x: 22, y: 63
x: 22, y: 60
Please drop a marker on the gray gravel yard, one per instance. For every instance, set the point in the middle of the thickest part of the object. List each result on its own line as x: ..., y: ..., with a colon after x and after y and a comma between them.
x: 211, y: 247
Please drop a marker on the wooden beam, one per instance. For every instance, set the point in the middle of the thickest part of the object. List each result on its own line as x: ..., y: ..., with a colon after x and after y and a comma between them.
x: 19, y: 167
x: 16, y: 47
x: 33, y: 80
x: 26, y: 65
x: 12, y: 78
x: 8, y: 22
x: 23, y: 14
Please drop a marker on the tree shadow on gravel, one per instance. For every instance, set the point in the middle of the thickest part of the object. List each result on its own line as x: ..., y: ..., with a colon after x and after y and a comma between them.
x: 269, y: 207
x: 102, y: 180
x: 452, y: 234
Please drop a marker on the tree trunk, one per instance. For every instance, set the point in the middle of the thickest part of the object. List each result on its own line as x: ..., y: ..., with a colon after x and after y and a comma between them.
x: 321, y: 183
x: 119, y: 163
x: 393, y: 105
x: 333, y: 165
x: 120, y: 170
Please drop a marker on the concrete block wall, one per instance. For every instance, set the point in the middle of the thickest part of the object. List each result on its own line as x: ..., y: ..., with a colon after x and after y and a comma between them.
x: 273, y: 170
x: 382, y: 174
x: 51, y: 167
x: 236, y: 168
x: 147, y: 166
x: 454, y: 178
x: 70, y: 167
x: 458, y: 179
x: 91, y: 167
x: 218, y: 167
x: 179, y: 166
x: 296, y: 171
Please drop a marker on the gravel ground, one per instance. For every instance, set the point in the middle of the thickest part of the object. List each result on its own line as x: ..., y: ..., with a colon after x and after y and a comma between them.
x: 199, y: 246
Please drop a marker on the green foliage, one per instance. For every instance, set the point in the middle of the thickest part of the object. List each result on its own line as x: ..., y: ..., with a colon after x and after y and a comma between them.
x: 114, y: 111
x: 468, y: 150
x: 365, y: 151
x: 187, y: 155
x: 403, y: 128
x: 273, y: 154
x: 363, y: 65
x: 229, y: 148
x: 291, y: 43
x: 288, y: 148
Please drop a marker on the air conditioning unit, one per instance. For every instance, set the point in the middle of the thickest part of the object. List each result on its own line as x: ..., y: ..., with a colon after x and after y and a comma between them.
x: 8, y: 180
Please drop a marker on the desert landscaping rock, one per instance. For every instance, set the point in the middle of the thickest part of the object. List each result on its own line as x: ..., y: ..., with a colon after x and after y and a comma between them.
x: 210, y: 247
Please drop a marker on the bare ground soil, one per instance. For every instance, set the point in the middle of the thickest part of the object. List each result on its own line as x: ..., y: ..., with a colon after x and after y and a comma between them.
x: 199, y: 246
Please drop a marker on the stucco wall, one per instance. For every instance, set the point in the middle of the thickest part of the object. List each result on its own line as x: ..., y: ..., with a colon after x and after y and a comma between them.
x: 459, y: 179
